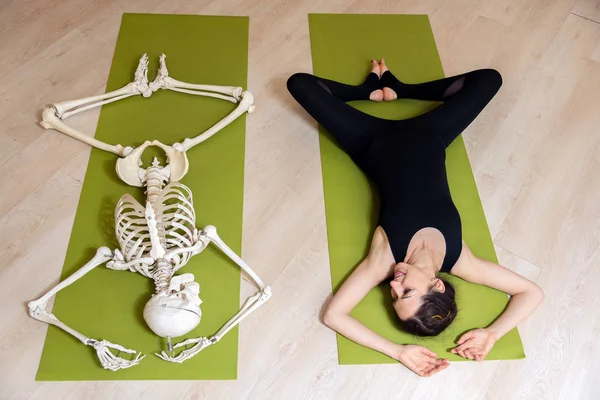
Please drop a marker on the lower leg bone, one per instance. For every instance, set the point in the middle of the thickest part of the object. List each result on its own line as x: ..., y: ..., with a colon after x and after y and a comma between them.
x: 234, y: 91
x: 65, y: 109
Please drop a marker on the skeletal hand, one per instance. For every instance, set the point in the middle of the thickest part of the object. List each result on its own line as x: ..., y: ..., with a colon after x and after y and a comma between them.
x: 200, y: 344
x: 111, y: 361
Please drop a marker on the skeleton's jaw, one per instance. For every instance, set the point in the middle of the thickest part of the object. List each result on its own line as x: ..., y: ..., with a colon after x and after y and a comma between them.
x: 171, y: 315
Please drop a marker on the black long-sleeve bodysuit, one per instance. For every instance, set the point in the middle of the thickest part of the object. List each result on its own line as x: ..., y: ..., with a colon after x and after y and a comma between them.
x: 405, y: 158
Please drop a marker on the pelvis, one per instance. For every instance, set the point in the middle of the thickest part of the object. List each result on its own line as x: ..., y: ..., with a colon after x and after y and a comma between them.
x: 128, y: 167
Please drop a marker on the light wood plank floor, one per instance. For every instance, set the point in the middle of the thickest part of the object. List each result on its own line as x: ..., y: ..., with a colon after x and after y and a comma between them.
x: 535, y: 152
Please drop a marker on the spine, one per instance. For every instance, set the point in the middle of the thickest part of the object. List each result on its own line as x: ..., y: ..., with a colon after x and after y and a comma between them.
x: 162, y: 275
x: 155, y: 181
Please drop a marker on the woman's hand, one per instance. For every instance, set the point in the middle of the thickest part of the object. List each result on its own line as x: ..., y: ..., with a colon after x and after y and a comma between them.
x: 475, y: 344
x: 420, y: 360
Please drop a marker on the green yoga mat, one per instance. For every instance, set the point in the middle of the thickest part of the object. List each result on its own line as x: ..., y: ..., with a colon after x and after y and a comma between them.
x: 341, y: 46
x: 107, y: 304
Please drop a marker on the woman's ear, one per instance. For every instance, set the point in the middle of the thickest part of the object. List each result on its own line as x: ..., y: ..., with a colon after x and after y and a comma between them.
x: 439, y: 285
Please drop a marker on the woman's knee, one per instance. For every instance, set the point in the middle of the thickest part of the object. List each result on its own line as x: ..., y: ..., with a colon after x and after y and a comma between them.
x: 297, y: 81
x: 492, y: 78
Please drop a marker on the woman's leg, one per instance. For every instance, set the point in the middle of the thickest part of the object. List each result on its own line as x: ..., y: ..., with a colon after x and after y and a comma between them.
x: 464, y: 97
x: 325, y: 101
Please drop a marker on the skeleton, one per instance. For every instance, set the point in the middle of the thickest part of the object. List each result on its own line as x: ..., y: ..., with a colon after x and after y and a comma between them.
x: 158, y: 239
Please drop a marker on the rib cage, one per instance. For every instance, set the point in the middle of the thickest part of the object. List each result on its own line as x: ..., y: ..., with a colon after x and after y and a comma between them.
x: 176, y: 215
x: 131, y: 228
x: 176, y: 223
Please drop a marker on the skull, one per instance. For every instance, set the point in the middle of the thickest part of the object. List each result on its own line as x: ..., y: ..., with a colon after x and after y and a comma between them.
x: 176, y: 310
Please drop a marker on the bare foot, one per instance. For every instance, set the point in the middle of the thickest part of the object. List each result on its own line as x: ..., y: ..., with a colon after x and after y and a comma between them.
x: 376, y: 68
x: 382, y: 66
x: 376, y: 95
x: 388, y: 94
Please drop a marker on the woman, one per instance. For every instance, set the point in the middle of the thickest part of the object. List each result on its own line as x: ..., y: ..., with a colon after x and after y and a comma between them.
x: 419, y: 230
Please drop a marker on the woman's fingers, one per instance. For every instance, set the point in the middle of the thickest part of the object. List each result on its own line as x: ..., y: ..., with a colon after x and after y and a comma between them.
x: 436, y: 369
x: 428, y: 352
x: 463, y: 346
x: 421, y: 369
x: 465, y: 337
x: 466, y: 345
x: 428, y: 368
x: 425, y: 370
x: 424, y: 367
x: 463, y: 349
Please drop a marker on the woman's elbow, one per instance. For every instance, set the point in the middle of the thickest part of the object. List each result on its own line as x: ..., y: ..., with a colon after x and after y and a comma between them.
x: 538, y: 293
x: 330, y: 318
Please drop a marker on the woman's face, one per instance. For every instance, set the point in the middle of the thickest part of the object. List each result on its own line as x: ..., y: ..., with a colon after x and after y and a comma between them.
x: 409, y: 284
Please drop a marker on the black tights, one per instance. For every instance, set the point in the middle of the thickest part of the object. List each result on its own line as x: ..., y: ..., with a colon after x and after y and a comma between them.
x: 463, y: 96
x: 406, y: 158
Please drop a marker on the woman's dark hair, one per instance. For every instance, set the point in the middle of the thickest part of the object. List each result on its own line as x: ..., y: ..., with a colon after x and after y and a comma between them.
x: 437, y: 311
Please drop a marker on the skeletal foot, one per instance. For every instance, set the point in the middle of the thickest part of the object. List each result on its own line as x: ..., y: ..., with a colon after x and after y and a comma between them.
x: 376, y: 95
x: 388, y: 94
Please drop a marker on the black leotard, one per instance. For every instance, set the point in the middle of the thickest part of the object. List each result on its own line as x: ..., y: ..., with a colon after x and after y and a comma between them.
x: 405, y: 158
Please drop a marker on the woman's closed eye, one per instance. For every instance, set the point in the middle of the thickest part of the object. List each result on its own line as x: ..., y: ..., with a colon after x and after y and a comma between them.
x: 405, y: 294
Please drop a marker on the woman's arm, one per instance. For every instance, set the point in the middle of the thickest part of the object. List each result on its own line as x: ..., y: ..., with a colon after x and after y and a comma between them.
x: 372, y: 271
x: 526, y: 296
x: 337, y: 314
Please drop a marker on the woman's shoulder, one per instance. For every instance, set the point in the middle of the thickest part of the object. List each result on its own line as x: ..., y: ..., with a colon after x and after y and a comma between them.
x: 464, y: 261
x: 380, y: 254
x: 379, y: 242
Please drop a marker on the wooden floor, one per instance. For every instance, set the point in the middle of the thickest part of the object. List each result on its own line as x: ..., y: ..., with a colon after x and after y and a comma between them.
x: 535, y: 152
